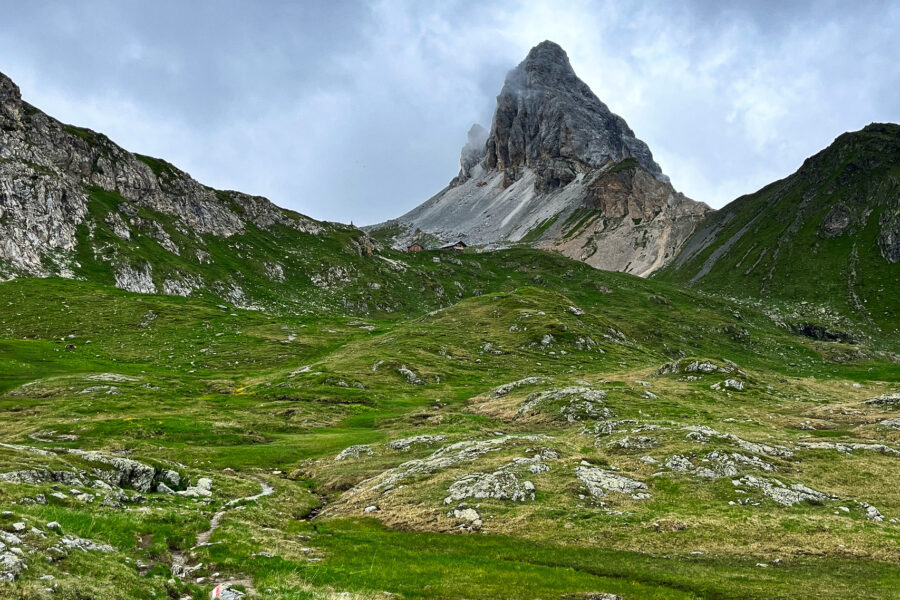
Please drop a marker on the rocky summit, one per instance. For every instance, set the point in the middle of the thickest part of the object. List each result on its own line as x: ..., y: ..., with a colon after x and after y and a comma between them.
x: 558, y: 170
x: 203, y: 395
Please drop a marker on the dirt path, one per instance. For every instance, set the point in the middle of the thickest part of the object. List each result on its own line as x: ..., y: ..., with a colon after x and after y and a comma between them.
x: 179, y: 563
x: 203, y: 538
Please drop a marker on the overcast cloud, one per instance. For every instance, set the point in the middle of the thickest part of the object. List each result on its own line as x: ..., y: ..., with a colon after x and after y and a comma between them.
x: 357, y: 111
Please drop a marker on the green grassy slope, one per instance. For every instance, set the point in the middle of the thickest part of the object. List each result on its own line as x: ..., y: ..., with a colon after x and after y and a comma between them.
x: 244, y: 396
x: 821, y: 235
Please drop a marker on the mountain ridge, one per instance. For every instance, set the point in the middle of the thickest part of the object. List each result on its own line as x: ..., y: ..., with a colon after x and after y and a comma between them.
x: 832, y: 227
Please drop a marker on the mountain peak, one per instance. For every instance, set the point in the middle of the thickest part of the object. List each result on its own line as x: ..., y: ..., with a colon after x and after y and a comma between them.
x: 550, y: 121
x: 548, y: 58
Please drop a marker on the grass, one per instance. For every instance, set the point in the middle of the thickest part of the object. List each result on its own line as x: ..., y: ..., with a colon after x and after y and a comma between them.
x: 245, y: 395
x: 220, y: 391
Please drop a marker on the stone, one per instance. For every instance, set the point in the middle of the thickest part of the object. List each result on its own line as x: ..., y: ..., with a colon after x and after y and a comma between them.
x: 836, y: 221
x: 443, y: 458
x: 33, y: 476
x: 872, y: 513
x: 202, y: 489
x: 733, y: 384
x: 848, y: 447
x: 11, y: 566
x: 500, y: 485
x: 599, y: 481
x: 781, y: 493
x: 410, y: 376
x: 162, y: 488
x: 406, y: 443
x: 503, y: 390
x: 887, y: 400
x: 85, y: 545
x: 470, y: 515
x: 357, y: 451
x: 637, y: 442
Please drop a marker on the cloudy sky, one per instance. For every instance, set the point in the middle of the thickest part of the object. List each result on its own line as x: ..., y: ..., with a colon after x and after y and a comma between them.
x: 356, y: 111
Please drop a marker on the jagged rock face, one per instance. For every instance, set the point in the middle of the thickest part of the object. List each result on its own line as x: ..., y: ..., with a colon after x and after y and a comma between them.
x: 46, y: 169
x: 547, y: 117
x: 561, y: 172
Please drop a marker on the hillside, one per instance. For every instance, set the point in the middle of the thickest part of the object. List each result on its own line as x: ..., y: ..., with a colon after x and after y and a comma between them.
x: 542, y: 439
x: 559, y: 171
x: 828, y: 234
x: 74, y: 204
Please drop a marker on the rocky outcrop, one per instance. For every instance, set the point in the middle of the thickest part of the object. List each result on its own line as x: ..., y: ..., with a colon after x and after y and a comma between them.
x: 357, y: 451
x: 600, y: 481
x: 782, y: 493
x: 575, y: 403
x: 407, y: 443
x: 560, y: 171
x: 500, y: 485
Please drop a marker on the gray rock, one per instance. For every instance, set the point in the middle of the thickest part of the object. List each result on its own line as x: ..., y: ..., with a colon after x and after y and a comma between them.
x: 872, y: 513
x: 469, y: 515
x: 410, y: 376
x: 577, y: 403
x: 406, y: 443
x: 202, y: 489
x: 886, y: 400
x: 473, y: 152
x: 637, y: 442
x: 703, y: 433
x: 126, y: 472
x: 599, y: 481
x: 500, y: 485
x: 357, y: 451
x: 85, y: 545
x: 503, y: 390
x: 781, y: 493
x: 33, y: 476
x: 443, y: 458
x: 11, y: 566
x: 849, y: 447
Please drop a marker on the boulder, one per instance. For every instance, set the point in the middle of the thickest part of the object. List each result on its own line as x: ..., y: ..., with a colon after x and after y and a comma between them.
x: 599, y: 481
x: 354, y: 452
x: 500, y: 485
